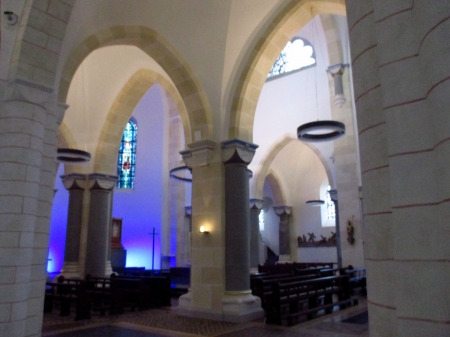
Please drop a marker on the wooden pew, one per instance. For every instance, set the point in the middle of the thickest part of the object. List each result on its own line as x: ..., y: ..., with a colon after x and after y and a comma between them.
x: 67, y: 293
x: 357, y: 279
x: 139, y: 292
x: 263, y: 287
x: 180, y: 279
x: 291, y: 300
x: 289, y: 267
x: 99, y: 292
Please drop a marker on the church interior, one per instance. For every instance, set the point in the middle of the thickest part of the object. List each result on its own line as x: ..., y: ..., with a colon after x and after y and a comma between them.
x: 161, y: 160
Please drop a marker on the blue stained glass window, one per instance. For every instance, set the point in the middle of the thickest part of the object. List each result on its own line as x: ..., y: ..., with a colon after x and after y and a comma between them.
x: 127, y: 156
x: 294, y: 56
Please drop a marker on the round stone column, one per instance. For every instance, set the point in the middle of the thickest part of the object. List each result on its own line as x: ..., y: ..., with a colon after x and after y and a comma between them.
x: 238, y: 301
x: 284, y: 212
x: 99, y: 238
x: 255, y: 209
x: 75, y: 184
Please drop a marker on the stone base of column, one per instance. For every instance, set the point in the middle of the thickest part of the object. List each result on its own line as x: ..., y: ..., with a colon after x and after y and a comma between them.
x: 185, y: 308
x: 241, y: 306
x: 284, y: 258
x: 108, y: 269
x: 70, y: 270
x: 237, y: 307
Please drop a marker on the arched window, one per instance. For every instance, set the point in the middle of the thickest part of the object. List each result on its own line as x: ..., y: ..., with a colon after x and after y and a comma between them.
x: 261, y: 220
x: 331, y: 210
x: 127, y: 156
x: 294, y: 56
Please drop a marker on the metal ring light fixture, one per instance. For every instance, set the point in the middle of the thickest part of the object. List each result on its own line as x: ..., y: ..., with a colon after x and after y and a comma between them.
x: 315, y: 202
x: 330, y: 130
x: 72, y: 156
x: 180, y: 168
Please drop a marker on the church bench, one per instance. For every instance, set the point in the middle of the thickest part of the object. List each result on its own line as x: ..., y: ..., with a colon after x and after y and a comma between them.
x: 180, y: 279
x: 262, y: 287
x: 289, y: 301
x: 66, y: 294
x: 357, y: 279
x: 124, y: 293
x: 128, y: 270
x: 290, y: 267
x: 99, y: 292
x: 139, y: 292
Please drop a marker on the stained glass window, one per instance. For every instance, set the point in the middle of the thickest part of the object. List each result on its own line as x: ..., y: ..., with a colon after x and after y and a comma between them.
x: 294, y: 56
x: 127, y: 156
x: 330, y: 206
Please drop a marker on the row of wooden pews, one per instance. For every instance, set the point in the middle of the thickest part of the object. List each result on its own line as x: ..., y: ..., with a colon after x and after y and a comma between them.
x: 292, y: 291
x: 111, y: 295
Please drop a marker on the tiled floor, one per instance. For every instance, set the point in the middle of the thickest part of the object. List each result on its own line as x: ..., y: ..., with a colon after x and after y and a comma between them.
x: 165, y: 322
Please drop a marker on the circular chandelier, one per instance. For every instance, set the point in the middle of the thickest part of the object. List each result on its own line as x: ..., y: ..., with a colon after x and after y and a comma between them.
x: 180, y: 178
x: 72, y: 156
x: 320, y: 131
x: 315, y: 202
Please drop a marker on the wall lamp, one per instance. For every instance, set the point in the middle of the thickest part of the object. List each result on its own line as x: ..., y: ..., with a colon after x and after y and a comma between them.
x: 202, y: 230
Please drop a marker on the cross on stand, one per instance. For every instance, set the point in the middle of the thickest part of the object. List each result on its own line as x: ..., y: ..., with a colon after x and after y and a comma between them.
x: 153, y: 234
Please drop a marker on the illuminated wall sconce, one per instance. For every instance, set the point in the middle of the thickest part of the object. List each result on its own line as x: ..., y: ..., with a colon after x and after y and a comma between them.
x: 202, y: 230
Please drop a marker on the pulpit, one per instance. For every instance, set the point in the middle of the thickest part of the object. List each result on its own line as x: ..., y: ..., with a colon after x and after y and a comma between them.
x: 118, y: 253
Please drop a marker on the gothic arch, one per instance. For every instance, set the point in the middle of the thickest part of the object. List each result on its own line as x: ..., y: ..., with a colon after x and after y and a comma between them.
x: 263, y: 168
x: 249, y: 85
x: 121, y: 110
x: 279, y: 198
x: 149, y: 41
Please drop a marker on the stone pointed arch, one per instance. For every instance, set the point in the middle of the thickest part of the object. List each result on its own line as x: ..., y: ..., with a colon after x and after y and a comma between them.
x: 120, y: 113
x: 274, y: 181
x: 249, y: 85
x: 263, y: 169
x: 154, y: 45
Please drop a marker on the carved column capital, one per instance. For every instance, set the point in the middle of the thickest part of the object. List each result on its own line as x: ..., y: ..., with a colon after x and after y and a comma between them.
x: 188, y: 210
x: 283, y: 210
x: 256, y: 203
x: 199, y: 153
x: 238, y: 151
x: 99, y: 181
x: 333, y: 195
x: 74, y: 181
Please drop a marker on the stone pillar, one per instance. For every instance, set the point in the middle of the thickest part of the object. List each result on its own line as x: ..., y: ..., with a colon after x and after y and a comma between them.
x: 255, y: 236
x: 237, y: 216
x: 401, y: 89
x: 100, y: 217
x: 336, y: 72
x: 347, y: 163
x: 184, y: 239
x: 238, y: 301
x: 208, y: 296
x: 75, y: 184
x: 28, y: 125
x: 207, y: 250
x: 334, y: 198
x: 284, y: 212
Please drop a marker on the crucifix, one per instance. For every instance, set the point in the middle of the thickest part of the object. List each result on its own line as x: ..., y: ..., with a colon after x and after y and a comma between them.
x: 153, y: 234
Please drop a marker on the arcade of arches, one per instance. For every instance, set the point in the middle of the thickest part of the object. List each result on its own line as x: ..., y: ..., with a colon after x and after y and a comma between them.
x: 193, y: 75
